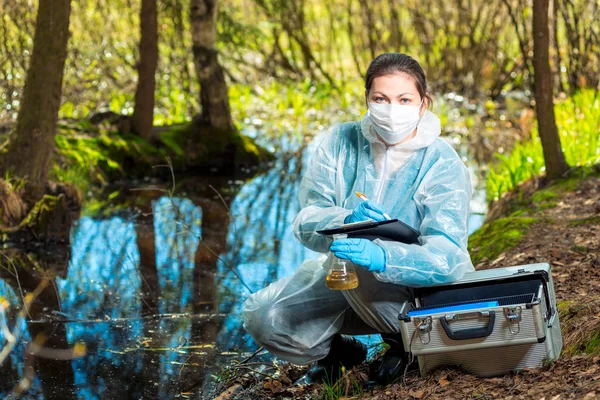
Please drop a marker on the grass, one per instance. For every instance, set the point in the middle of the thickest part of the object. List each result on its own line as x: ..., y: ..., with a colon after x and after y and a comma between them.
x: 589, y: 220
x: 585, y: 342
x: 498, y: 236
x: 578, y: 121
x: 580, y: 327
x: 592, y: 347
x: 346, y: 386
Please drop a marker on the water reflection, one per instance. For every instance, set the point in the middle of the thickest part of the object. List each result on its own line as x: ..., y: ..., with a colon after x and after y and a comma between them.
x: 156, y: 295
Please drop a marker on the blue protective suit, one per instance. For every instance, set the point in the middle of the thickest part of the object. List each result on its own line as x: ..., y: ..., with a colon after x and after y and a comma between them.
x: 422, y: 182
x: 425, y: 187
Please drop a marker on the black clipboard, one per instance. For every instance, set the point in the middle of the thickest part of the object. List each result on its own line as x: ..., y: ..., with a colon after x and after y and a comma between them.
x: 391, y: 230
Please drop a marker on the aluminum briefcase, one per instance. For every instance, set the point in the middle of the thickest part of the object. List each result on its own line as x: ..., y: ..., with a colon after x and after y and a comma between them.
x: 490, y: 322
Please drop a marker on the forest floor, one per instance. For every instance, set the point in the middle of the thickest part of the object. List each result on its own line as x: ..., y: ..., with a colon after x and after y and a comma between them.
x: 563, y: 229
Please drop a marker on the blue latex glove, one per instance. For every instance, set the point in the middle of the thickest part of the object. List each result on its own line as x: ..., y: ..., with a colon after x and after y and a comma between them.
x: 366, y: 210
x: 361, y: 252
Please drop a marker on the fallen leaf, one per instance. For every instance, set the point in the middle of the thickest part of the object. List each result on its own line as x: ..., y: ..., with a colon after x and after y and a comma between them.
x: 416, y: 394
x: 443, y: 381
x: 228, y: 393
x: 285, y: 379
x: 273, y: 385
x: 555, y: 253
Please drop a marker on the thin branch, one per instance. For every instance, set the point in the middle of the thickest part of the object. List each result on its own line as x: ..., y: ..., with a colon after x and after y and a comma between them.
x: 28, y: 299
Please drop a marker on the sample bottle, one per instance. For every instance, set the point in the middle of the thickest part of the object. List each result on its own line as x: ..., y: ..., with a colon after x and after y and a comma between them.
x: 341, y: 274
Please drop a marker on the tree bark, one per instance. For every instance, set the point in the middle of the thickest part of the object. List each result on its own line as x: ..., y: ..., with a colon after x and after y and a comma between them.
x: 213, y: 89
x: 556, y: 165
x: 143, y: 114
x: 30, y: 151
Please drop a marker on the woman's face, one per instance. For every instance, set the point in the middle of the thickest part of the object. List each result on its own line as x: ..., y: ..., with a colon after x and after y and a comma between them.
x: 395, y: 89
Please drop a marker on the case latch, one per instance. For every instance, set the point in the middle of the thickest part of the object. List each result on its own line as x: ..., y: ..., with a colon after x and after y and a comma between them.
x: 424, y: 327
x: 513, y: 316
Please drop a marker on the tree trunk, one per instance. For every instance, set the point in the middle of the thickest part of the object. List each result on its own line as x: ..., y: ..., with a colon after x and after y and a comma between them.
x: 213, y: 89
x: 143, y: 114
x: 146, y: 242
x: 31, y: 149
x: 56, y: 375
x: 205, y: 328
x: 556, y: 165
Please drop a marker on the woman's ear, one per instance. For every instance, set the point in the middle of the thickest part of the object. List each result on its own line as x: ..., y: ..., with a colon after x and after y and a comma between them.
x: 367, y: 99
x: 425, y: 104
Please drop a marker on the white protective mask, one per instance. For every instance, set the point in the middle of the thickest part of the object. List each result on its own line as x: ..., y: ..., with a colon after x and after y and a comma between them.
x: 394, y: 122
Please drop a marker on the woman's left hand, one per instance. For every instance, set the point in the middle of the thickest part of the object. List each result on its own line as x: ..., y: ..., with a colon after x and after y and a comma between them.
x: 362, y: 252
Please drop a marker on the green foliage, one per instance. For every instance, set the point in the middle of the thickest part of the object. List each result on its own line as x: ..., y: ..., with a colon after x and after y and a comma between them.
x: 14, y: 183
x: 104, y: 206
x: 498, y: 236
x: 578, y: 121
x: 88, y: 154
x: 294, y: 110
x: 85, y: 152
x: 258, y: 41
x: 346, y: 386
x: 171, y: 139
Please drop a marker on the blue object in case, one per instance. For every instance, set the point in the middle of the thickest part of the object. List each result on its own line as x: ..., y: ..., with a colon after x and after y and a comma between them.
x: 459, y: 307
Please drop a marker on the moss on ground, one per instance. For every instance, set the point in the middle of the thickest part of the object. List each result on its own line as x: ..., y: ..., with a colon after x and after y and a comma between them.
x: 587, y: 343
x: 498, y: 236
x: 592, y: 347
x: 190, y: 147
x: 505, y: 229
x: 529, y: 198
x: 563, y: 307
x: 103, y: 153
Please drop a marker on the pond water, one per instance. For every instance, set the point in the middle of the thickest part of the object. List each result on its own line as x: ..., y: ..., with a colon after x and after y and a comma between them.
x: 158, y: 309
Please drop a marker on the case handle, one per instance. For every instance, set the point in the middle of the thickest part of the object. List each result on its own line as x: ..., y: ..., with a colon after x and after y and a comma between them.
x: 471, y: 333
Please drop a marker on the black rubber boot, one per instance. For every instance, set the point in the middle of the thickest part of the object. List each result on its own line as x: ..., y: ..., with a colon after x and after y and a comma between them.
x: 393, y: 362
x: 345, y: 351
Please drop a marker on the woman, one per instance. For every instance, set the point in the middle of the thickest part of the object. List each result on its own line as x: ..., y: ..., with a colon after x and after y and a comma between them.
x: 395, y: 156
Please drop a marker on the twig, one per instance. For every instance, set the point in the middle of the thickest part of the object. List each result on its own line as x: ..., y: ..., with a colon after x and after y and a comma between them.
x: 36, y: 348
x: 227, y: 208
x: 251, y: 356
x: 14, y: 336
x: 253, y: 370
x: 187, y: 228
x: 181, y: 372
x: 16, y: 275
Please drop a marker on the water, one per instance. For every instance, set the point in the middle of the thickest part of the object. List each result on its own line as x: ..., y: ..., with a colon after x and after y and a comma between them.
x: 157, y: 309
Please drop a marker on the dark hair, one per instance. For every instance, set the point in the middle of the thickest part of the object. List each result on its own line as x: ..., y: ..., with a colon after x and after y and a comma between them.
x: 392, y: 63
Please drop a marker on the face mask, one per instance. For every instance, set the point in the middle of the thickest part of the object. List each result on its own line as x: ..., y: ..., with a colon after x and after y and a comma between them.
x: 394, y: 122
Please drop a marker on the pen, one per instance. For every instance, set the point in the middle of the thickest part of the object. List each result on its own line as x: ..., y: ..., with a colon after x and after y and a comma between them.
x: 364, y: 197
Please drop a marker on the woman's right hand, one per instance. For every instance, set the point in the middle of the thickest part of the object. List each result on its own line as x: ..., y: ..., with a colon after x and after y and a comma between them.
x: 366, y: 210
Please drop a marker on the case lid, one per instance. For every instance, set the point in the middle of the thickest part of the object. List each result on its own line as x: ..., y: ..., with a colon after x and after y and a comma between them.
x: 542, y: 269
x: 497, y: 283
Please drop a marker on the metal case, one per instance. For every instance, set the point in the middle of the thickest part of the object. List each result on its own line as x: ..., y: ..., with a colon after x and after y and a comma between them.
x: 490, y: 322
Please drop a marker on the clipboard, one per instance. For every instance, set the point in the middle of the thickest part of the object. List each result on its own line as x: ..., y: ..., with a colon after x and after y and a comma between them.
x: 391, y: 230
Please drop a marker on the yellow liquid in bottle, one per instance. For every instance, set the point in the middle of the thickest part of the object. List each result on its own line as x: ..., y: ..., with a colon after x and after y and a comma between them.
x: 342, y: 280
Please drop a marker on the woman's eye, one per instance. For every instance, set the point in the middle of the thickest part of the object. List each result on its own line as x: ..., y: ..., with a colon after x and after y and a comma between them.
x: 404, y: 101
x: 379, y: 99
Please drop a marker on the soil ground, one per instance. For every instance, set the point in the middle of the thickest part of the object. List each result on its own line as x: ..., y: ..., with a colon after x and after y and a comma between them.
x: 566, y: 234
